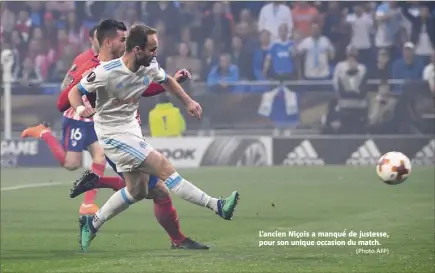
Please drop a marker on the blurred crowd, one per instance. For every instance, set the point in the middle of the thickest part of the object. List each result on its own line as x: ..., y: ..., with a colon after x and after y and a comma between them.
x: 223, y: 42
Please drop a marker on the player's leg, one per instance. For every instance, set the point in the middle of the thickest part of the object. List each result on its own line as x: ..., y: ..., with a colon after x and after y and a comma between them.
x: 166, y: 215
x: 158, y: 165
x: 135, y: 190
x: 90, y: 180
x: 70, y: 161
x: 98, y: 162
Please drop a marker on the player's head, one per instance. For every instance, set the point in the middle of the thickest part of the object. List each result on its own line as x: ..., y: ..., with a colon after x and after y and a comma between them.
x: 142, y: 41
x: 111, y: 35
x: 93, y: 38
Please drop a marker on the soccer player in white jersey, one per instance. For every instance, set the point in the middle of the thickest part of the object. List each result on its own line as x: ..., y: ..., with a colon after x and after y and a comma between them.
x: 119, y: 85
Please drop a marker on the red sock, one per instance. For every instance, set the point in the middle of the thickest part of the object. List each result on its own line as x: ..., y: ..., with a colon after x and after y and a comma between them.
x: 55, y: 147
x: 89, y: 197
x: 167, y: 217
x: 98, y: 169
x: 112, y: 182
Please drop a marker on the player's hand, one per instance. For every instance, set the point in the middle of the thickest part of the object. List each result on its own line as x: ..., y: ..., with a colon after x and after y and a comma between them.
x: 85, y: 111
x: 194, y: 109
x: 182, y: 75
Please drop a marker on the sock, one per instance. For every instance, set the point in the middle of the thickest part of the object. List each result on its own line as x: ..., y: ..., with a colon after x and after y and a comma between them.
x: 167, y: 217
x: 112, y: 182
x: 98, y: 169
x: 116, y: 204
x: 55, y: 147
x: 189, y: 192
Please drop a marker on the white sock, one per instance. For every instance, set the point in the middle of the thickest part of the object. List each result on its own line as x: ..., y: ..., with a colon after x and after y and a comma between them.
x: 116, y: 204
x: 189, y: 192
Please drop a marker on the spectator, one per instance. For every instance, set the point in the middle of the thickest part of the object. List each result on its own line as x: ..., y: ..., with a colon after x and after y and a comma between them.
x: 164, y: 11
x: 389, y: 26
x: 382, y: 71
x: 184, y: 60
x: 164, y: 44
x: 422, y: 32
x: 241, y: 56
x: 190, y: 14
x: 336, y: 29
x: 362, y: 27
x: 385, y: 103
x: 28, y: 73
x: 18, y: 47
x: 131, y: 17
x: 348, y: 114
x: 408, y: 67
x: 36, y: 12
x: 63, y: 41
x: 60, y: 6
x: 186, y: 38
x: 260, y: 70
x: 64, y: 63
x: 304, y: 15
x: 317, y: 53
x: 73, y: 28
x: 222, y: 75
x: 281, y: 56
x: 272, y: 16
x: 242, y: 31
x: 23, y: 25
x: 42, y: 57
x: 218, y: 27
x: 37, y: 34
x: 251, y: 24
x: 50, y: 29
x: 7, y: 18
x: 209, y: 58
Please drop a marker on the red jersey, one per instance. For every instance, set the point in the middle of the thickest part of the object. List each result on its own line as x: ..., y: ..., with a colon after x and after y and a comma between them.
x: 80, y: 60
x: 79, y: 73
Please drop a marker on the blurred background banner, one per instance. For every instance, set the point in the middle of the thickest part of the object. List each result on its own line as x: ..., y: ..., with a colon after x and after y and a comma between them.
x: 350, y: 150
x: 26, y: 153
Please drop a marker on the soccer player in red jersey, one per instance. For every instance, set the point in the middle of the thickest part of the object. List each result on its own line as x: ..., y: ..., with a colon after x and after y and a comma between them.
x: 164, y: 211
x: 78, y: 133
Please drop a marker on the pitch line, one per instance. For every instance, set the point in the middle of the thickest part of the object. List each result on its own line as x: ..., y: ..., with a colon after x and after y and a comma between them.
x: 35, y: 185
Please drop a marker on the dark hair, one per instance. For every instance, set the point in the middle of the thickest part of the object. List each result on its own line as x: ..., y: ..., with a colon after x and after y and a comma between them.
x: 92, y: 31
x: 138, y: 36
x: 108, y: 28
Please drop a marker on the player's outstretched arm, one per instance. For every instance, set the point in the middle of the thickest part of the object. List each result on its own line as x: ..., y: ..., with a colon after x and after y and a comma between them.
x: 156, y: 88
x: 193, y: 108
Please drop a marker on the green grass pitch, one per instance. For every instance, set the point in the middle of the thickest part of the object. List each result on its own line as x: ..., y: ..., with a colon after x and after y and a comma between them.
x: 39, y: 229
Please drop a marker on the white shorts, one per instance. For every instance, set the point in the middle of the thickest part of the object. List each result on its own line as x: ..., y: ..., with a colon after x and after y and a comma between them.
x: 127, y: 151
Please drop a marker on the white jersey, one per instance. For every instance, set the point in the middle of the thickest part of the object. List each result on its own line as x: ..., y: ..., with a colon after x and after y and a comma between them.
x: 118, y: 93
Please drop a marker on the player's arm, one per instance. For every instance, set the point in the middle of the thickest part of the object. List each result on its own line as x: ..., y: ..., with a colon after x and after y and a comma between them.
x: 170, y: 84
x: 90, y: 84
x: 156, y: 88
x: 63, y: 101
